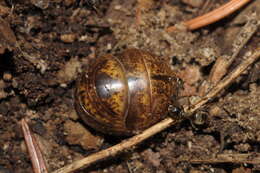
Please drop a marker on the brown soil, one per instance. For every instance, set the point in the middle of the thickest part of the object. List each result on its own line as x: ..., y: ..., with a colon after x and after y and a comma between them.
x: 45, y: 44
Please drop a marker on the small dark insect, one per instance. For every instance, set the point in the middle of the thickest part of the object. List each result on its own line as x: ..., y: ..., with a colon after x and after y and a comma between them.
x: 199, y: 119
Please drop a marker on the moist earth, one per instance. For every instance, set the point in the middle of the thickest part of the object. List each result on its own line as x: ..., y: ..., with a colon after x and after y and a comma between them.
x: 45, y: 45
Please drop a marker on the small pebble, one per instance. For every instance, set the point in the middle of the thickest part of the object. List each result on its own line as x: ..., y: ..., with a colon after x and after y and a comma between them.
x: 7, y: 76
x: 68, y: 38
x: 215, y: 111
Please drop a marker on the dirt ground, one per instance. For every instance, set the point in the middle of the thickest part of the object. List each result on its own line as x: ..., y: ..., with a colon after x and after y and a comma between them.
x: 44, y: 45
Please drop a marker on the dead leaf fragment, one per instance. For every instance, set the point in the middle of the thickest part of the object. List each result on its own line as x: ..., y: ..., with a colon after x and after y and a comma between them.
x: 78, y: 135
x: 7, y: 37
x: 191, y: 74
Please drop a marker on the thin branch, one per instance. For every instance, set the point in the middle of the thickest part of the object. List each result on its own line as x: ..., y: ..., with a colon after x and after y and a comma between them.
x: 118, y: 148
x: 33, y: 148
x: 242, y: 38
x: 131, y: 142
x: 252, y: 158
x: 213, y: 16
x: 222, y: 64
x: 225, y: 82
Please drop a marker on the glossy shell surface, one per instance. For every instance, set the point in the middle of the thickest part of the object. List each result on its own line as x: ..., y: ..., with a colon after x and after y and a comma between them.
x: 126, y: 93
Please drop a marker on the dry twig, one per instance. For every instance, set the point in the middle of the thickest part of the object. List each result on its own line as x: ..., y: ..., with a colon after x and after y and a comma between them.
x: 251, y: 158
x: 33, y: 148
x: 222, y: 64
x: 213, y: 16
x: 226, y: 81
x: 243, y: 37
x: 131, y: 142
x: 123, y: 146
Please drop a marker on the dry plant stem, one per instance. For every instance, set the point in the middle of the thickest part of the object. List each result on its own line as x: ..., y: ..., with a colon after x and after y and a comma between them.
x: 123, y: 146
x: 240, y: 41
x: 224, y: 82
x: 33, y: 149
x: 206, y: 5
x: 243, y: 36
x: 131, y: 142
x: 213, y: 16
x: 222, y: 64
x: 251, y: 158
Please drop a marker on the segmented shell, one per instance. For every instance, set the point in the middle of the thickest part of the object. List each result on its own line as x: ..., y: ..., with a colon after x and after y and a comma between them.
x: 125, y: 93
